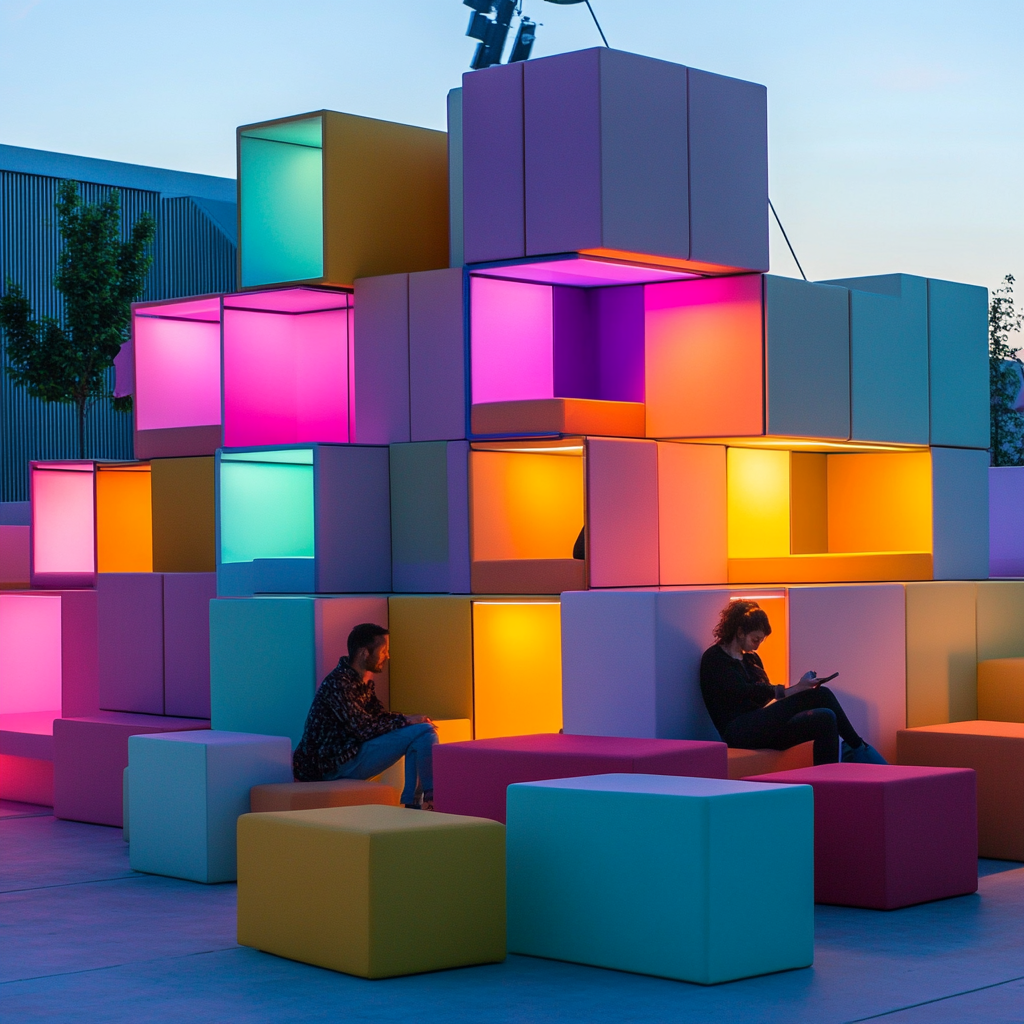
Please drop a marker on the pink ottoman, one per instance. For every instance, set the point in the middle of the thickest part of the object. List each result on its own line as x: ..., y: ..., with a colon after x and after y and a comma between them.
x: 89, y: 759
x: 472, y: 777
x: 888, y: 836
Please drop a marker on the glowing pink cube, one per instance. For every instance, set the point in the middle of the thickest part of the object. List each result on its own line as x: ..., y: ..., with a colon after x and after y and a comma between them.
x: 256, y: 368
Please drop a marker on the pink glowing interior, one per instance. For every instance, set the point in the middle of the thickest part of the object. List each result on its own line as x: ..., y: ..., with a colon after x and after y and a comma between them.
x: 62, y: 519
x: 205, y: 308
x: 290, y: 300
x: 286, y: 374
x: 30, y: 653
x: 512, y: 328
x: 177, y: 370
x: 586, y: 272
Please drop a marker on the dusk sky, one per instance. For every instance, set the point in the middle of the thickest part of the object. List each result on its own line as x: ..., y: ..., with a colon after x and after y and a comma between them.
x: 896, y: 129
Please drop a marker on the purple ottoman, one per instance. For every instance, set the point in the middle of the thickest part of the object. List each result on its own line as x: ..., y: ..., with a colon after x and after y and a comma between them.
x: 888, y: 836
x: 89, y: 759
x: 472, y: 777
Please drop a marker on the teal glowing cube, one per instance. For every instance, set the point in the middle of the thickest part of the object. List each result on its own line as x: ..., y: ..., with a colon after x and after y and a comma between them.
x: 701, y: 880
x: 304, y: 519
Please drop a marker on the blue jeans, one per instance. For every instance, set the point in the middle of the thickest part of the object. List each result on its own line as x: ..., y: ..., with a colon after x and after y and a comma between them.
x: 413, y: 742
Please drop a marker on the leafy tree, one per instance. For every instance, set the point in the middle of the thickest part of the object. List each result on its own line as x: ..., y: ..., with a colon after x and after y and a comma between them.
x: 1004, y: 374
x: 66, y: 360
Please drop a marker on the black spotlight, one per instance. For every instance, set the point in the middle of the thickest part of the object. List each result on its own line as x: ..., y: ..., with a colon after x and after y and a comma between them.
x: 524, y: 41
x: 490, y: 22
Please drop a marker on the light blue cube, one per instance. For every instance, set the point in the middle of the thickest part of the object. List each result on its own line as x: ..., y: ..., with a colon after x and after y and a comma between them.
x: 187, y: 792
x: 701, y: 880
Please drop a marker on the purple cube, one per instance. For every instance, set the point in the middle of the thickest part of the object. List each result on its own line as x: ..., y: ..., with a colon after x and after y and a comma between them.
x: 888, y: 836
x: 472, y: 777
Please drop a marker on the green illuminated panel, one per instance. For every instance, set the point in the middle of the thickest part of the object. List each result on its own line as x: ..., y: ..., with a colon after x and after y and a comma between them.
x: 281, y: 170
x: 266, y: 509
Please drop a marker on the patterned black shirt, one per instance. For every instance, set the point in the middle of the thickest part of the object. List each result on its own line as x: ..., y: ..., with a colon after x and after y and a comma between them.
x: 345, y: 714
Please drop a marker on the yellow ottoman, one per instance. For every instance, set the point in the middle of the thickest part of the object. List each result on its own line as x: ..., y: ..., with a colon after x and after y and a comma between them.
x: 372, y: 890
x: 1001, y: 690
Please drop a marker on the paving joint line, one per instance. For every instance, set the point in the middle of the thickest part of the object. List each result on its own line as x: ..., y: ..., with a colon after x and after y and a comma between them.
x: 938, y: 999
x: 66, y: 885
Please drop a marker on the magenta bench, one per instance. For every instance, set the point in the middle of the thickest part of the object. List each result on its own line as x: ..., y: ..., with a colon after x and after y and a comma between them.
x: 888, y: 836
x: 471, y: 777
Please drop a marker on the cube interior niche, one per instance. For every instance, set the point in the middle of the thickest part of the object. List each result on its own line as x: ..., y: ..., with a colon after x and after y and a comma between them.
x: 285, y: 525
x: 265, y: 511
x: 281, y: 212
x: 90, y: 517
x: 829, y: 516
x: 327, y: 197
x: 526, y: 513
x: 177, y: 399
x: 287, y: 362
x: 537, y: 341
x: 30, y: 654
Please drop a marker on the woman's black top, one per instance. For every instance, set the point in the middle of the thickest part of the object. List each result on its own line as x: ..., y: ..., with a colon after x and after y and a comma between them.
x: 732, y: 688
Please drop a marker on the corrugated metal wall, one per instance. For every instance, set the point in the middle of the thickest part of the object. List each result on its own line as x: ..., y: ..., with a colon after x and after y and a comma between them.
x: 191, y: 255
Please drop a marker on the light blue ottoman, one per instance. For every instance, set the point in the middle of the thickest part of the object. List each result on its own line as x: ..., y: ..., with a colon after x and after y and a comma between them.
x: 702, y: 880
x: 186, y: 794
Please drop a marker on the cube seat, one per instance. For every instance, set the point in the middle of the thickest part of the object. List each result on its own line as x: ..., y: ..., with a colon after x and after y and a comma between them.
x: 995, y: 750
x: 1001, y: 689
x: 472, y: 778
x: 372, y: 891
x: 888, y: 836
x: 308, y: 796
x: 186, y: 791
x: 744, y: 763
x: 90, y: 755
x: 651, y: 874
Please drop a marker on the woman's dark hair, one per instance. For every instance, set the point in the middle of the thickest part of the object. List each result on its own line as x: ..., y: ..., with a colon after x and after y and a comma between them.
x: 741, y: 617
x: 366, y: 635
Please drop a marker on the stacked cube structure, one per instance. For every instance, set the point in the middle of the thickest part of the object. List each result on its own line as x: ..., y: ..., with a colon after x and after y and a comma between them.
x: 527, y: 395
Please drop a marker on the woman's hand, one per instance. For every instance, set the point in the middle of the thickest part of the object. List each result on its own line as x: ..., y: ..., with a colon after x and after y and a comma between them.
x: 807, y: 681
x: 416, y: 719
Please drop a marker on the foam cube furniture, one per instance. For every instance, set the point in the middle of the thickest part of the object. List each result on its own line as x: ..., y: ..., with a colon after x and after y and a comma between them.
x: 48, y: 652
x: 430, y: 517
x: 286, y: 522
x: 307, y: 796
x: 90, y: 756
x: 529, y: 501
x: 1006, y: 520
x: 14, y: 557
x: 852, y: 516
x: 154, y: 642
x: 410, y: 362
x: 703, y: 365
x: 605, y: 152
x: 1001, y: 690
x: 268, y: 655
x: 27, y: 780
x: 495, y: 661
x: 187, y: 792
x: 744, y: 763
x: 942, y: 652
x: 1000, y: 619
x: 89, y: 517
x: 326, y: 197
x: 594, y: 869
x: 331, y: 887
x: 889, y: 836
x: 995, y: 750
x: 472, y: 778
x: 631, y: 659
x: 184, y: 515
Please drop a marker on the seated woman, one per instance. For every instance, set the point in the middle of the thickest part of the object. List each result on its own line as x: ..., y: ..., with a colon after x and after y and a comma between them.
x: 349, y: 735
x: 748, y: 711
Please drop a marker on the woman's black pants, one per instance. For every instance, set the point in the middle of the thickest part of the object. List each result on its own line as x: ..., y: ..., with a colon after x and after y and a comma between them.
x: 811, y: 715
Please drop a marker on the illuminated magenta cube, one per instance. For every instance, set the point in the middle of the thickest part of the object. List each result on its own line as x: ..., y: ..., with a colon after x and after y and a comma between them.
x: 261, y: 367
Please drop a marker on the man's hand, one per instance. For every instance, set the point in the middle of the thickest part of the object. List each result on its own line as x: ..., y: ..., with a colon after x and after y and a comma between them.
x: 417, y: 719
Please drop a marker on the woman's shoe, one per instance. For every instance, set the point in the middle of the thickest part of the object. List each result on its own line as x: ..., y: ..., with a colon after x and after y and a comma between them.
x: 864, y: 754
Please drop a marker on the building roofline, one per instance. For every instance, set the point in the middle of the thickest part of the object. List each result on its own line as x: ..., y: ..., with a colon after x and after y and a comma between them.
x: 113, y: 172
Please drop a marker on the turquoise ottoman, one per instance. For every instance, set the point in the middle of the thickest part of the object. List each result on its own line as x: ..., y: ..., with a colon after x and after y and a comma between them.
x: 702, y: 880
x: 187, y: 792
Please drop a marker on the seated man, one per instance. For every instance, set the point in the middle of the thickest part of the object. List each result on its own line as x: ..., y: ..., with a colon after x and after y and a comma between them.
x: 349, y: 735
